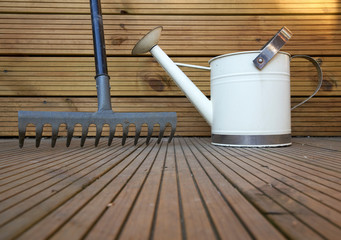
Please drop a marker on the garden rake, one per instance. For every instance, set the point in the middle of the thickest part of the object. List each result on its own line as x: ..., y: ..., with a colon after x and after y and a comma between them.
x: 104, y: 114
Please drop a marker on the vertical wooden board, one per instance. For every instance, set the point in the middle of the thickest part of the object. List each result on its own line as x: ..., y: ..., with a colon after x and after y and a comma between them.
x: 252, y: 188
x: 258, y: 226
x: 80, y: 224
x: 41, y: 204
x: 73, y: 219
x: 168, y: 220
x: 196, y: 222
x: 224, y: 219
x: 112, y: 220
x: 141, y: 217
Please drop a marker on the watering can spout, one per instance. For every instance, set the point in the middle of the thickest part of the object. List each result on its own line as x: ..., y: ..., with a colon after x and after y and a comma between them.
x: 149, y: 44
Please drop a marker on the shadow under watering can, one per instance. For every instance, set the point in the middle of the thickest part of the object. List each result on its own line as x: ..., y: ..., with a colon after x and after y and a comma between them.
x: 250, y: 91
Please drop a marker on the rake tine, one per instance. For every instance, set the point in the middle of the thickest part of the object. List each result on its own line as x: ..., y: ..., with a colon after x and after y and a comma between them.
x: 39, y: 134
x: 70, y: 130
x: 21, y: 136
x: 125, y: 133
x: 111, y: 134
x: 98, y: 134
x: 55, y: 129
x: 84, y: 134
x: 150, y: 132
x: 137, y: 134
x: 162, y: 130
x: 172, y: 134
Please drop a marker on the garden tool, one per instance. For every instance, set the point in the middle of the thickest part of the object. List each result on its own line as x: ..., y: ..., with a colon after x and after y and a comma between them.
x: 105, y: 114
x: 250, y: 91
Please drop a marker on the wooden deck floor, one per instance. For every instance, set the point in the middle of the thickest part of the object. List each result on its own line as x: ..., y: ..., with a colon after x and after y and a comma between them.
x: 188, y: 189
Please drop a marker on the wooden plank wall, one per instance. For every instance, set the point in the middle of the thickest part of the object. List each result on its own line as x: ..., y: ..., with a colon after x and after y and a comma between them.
x: 46, y: 55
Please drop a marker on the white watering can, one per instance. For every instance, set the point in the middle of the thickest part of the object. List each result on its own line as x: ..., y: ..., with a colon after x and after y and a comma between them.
x: 250, y: 95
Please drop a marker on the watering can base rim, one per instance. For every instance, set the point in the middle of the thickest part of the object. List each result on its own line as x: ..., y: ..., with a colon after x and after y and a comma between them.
x: 277, y: 140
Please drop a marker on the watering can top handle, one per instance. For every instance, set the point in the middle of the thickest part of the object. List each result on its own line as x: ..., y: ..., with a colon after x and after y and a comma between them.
x: 320, y: 77
x: 271, y: 48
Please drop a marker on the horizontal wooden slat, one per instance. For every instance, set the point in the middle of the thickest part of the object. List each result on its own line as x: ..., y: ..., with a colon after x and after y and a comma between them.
x: 136, y: 76
x: 175, y: 7
x: 321, y: 116
x: 183, y: 35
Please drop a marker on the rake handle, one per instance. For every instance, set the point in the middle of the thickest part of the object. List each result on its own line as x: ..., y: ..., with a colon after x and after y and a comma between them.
x: 102, y: 77
x: 98, y: 38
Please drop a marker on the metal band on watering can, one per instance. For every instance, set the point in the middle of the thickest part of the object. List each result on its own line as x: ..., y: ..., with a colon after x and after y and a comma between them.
x: 252, y: 140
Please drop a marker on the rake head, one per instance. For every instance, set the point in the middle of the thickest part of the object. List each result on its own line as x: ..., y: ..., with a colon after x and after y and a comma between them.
x: 104, y: 115
x: 99, y: 118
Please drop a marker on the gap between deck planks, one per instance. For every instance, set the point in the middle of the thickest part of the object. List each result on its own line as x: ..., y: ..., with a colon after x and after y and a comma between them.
x: 186, y: 189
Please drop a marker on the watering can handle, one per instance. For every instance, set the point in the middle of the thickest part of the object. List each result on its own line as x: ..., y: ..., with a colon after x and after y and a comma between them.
x: 320, y: 77
x: 270, y: 49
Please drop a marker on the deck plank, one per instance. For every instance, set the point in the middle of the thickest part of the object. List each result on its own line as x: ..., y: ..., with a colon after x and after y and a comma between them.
x: 196, y: 221
x: 226, y: 222
x: 256, y: 224
x: 38, y: 205
x: 326, y: 143
x: 187, y: 189
x: 111, y: 221
x: 94, y: 199
x: 168, y: 223
x: 310, y: 211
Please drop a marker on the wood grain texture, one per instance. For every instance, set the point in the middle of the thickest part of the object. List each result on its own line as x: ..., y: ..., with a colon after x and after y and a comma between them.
x: 175, y: 7
x: 214, y: 192
x: 137, y: 76
x: 210, y: 35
